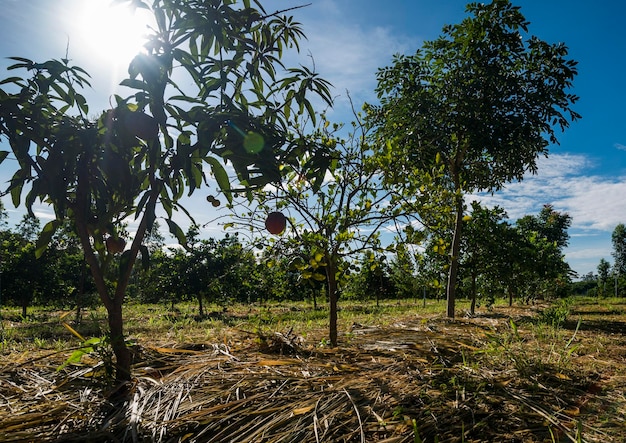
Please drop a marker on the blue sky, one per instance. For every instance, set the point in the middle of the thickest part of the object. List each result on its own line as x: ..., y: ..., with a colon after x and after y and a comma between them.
x: 349, y: 40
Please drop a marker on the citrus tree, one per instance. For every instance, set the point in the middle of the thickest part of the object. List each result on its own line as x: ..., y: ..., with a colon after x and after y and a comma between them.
x: 162, y: 141
x: 485, y: 98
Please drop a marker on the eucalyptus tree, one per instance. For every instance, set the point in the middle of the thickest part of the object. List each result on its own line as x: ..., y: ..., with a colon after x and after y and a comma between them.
x: 4, y: 215
x: 618, y: 238
x: 485, y: 98
x: 604, y: 268
x: 163, y: 140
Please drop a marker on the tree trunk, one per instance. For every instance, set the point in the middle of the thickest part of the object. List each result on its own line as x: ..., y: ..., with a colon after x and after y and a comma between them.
x: 118, y: 344
x: 81, y: 291
x: 454, y: 257
x: 113, y: 305
x: 332, y: 300
x: 200, y: 307
x: 473, y: 305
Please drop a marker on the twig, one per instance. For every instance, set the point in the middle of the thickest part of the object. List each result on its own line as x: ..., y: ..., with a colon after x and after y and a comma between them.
x: 316, y: 421
x: 358, y: 416
x: 279, y: 389
x: 284, y: 10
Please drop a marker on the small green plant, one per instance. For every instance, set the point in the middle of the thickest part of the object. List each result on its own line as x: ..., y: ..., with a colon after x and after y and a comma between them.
x: 40, y: 343
x: 100, y: 346
x: 557, y: 314
x: 398, y: 412
x: 511, y: 346
x: 417, y: 438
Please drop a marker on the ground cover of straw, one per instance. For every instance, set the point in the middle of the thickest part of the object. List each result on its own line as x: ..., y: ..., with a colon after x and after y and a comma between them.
x: 402, y: 373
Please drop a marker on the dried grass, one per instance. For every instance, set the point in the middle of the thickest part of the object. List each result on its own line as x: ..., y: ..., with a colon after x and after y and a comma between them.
x: 383, y: 387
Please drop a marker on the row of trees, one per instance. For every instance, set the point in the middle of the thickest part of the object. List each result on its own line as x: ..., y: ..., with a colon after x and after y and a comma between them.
x: 523, y: 260
x: 468, y: 112
x: 609, y: 279
x: 57, y: 276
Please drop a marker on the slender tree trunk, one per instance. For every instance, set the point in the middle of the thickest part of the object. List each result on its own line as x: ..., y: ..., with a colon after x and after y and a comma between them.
x: 114, y: 302
x: 473, y: 305
x: 200, y: 307
x: 332, y: 300
x: 81, y: 291
x: 454, y: 257
x: 118, y: 344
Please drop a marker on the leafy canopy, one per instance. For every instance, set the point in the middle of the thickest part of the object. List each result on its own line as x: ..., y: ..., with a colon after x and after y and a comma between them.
x: 480, y: 96
x: 156, y: 144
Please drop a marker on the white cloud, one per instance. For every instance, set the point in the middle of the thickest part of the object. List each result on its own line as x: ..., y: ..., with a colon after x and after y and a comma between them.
x: 589, y: 253
x: 347, y: 54
x: 620, y: 146
x: 591, y: 200
x: 44, y: 214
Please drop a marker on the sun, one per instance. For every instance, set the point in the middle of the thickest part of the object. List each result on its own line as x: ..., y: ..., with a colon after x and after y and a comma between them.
x: 110, y: 32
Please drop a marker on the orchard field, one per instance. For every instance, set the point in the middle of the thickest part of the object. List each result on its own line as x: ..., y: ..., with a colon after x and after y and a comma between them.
x: 402, y: 373
x: 269, y: 333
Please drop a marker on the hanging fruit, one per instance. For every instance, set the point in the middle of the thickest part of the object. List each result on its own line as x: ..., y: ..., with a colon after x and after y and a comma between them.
x: 275, y: 222
x: 115, y: 245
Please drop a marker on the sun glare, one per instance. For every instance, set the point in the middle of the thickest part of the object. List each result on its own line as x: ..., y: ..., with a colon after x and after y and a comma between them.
x: 112, y: 33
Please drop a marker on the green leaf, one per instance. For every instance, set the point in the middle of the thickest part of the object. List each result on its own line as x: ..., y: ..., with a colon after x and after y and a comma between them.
x: 177, y: 232
x: 16, y: 193
x: 3, y: 155
x: 221, y: 177
x: 15, y: 80
x: 318, y: 277
x: 45, y: 237
x: 134, y: 84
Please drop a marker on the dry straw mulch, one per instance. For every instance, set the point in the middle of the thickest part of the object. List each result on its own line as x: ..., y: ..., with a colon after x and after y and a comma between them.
x: 407, y: 383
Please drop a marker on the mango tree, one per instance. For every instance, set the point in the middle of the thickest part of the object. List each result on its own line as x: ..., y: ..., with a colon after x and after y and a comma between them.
x: 163, y: 141
x: 485, y: 98
x: 333, y: 216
